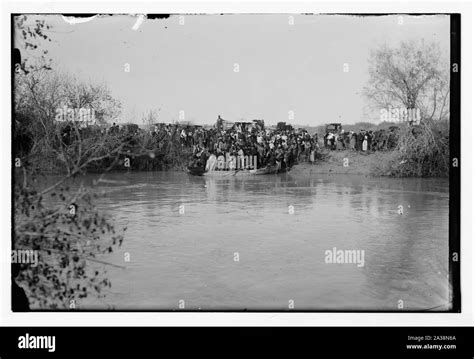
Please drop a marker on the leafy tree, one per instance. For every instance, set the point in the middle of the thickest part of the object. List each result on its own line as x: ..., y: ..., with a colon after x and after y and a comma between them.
x: 71, y: 236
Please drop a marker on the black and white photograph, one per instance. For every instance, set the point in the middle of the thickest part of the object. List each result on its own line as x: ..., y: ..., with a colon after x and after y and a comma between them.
x: 235, y: 162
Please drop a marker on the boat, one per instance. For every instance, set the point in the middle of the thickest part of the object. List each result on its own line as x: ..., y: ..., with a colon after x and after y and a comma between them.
x: 200, y: 171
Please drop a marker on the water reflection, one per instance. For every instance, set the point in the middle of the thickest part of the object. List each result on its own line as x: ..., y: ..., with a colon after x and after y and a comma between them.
x: 191, y: 256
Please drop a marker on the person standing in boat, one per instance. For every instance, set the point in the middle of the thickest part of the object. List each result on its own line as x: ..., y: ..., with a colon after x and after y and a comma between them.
x: 202, y: 161
x: 312, y: 155
x: 220, y: 161
x: 278, y: 157
x: 211, y: 162
x: 271, y: 158
x: 232, y: 162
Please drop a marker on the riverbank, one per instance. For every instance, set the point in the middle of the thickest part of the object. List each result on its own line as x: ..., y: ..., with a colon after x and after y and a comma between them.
x: 345, y: 162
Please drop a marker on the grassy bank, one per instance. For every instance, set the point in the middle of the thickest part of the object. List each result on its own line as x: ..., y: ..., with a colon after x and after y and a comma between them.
x: 345, y: 162
x: 421, y: 151
x: 390, y: 164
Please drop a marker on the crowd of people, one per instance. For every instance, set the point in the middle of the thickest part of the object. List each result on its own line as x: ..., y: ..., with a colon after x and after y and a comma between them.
x: 379, y: 140
x: 282, y: 146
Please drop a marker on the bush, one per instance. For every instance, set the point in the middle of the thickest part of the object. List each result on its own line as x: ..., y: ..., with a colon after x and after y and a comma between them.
x: 421, y: 151
x: 69, y: 236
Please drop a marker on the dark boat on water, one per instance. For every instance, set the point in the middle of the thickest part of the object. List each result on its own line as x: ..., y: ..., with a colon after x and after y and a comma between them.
x: 201, y: 171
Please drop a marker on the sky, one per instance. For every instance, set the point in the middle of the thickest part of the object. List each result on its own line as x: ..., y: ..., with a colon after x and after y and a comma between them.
x: 289, y: 69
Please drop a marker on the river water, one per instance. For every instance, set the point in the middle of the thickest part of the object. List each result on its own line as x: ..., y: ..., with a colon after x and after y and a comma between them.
x: 260, y: 242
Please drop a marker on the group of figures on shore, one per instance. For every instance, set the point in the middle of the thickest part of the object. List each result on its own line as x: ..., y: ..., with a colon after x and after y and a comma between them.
x: 210, y: 146
x: 280, y: 147
x: 265, y: 146
x: 379, y: 140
